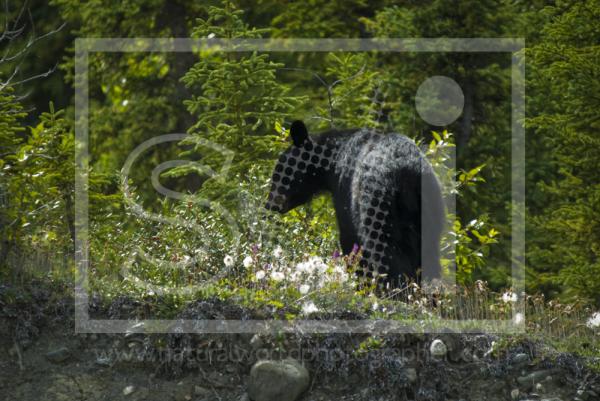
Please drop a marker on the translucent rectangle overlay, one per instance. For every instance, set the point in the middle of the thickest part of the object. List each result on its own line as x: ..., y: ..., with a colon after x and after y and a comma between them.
x: 83, y: 46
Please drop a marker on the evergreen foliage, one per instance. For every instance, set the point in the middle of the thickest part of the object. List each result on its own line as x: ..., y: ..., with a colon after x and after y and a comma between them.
x: 237, y: 99
x: 565, y: 239
x: 243, y: 101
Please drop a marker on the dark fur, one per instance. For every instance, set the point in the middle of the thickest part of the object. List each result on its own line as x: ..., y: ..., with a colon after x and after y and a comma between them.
x: 366, y: 168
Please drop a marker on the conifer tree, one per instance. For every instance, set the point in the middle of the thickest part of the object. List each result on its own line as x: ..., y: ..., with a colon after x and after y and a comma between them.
x: 565, y: 66
x: 237, y: 98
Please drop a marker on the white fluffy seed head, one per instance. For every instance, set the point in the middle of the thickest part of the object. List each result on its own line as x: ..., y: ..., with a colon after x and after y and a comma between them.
x: 278, y: 252
x: 248, y: 262
x: 277, y: 276
x: 228, y: 261
x: 304, y: 289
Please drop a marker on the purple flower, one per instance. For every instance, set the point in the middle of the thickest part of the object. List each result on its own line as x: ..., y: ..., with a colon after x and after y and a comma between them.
x: 336, y: 254
x: 255, y: 248
x: 355, y: 248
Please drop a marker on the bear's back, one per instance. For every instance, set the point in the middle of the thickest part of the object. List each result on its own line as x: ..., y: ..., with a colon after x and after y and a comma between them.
x: 370, y: 153
x: 378, y: 194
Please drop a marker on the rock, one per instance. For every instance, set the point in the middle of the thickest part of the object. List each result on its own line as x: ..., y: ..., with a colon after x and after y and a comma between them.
x: 535, y: 377
x: 103, y: 361
x: 217, y: 379
x: 520, y: 359
x: 466, y: 355
x: 277, y: 380
x: 58, y: 355
x: 453, y: 345
x: 182, y: 392
x: 411, y: 375
x: 514, y: 394
x: 128, y: 390
x: 201, y: 392
x: 256, y: 342
x: 438, y: 349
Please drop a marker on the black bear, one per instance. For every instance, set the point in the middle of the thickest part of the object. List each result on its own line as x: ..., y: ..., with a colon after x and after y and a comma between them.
x: 386, y: 196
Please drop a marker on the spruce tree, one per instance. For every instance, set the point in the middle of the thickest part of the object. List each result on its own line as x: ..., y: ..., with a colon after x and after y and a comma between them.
x: 237, y: 101
x: 565, y: 66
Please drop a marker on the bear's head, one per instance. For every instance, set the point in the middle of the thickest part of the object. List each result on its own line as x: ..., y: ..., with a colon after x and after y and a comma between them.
x: 300, y: 171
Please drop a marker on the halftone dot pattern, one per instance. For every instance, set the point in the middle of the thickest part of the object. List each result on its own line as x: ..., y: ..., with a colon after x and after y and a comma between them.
x: 374, y: 211
x: 309, y: 159
x: 313, y: 159
x: 374, y: 236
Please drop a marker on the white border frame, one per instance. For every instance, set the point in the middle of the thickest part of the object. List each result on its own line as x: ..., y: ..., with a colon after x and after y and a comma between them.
x: 84, y: 46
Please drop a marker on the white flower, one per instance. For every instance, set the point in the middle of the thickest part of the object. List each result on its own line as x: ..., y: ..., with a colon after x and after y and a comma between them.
x: 248, y: 261
x: 277, y: 276
x: 309, y: 307
x: 228, y: 261
x: 519, y: 318
x: 509, y: 297
x: 301, y: 267
x: 260, y: 274
x: 594, y: 321
x: 211, y: 35
x: 318, y: 264
x: 375, y: 306
x: 305, y: 267
x: 278, y: 252
x: 340, y: 274
x: 304, y: 289
x: 294, y: 276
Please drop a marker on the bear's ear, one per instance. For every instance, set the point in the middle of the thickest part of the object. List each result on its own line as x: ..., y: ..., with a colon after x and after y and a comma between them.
x: 299, y: 133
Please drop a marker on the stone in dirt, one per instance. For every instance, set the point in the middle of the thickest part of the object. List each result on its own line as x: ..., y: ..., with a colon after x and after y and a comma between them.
x: 202, y: 392
x: 58, y: 355
x: 438, y: 349
x: 520, y: 359
x: 411, y: 375
x: 128, y: 390
x: 277, y: 380
x: 535, y: 377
